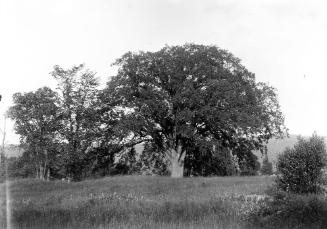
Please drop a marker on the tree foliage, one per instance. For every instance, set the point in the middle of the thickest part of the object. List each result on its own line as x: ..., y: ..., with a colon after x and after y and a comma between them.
x: 205, y: 161
x: 247, y: 161
x: 180, y: 95
x: 152, y: 161
x: 37, y: 123
x: 79, y: 115
x: 300, y: 168
x: 78, y: 105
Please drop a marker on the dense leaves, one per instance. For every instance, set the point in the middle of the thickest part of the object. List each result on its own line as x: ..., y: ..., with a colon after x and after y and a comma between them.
x: 204, y: 161
x: 193, y: 93
x: 79, y: 115
x: 300, y: 168
x: 248, y: 162
x: 152, y: 161
x: 37, y: 123
x: 78, y: 105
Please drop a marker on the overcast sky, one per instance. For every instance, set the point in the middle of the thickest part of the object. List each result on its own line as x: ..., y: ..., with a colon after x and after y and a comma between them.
x: 283, y: 42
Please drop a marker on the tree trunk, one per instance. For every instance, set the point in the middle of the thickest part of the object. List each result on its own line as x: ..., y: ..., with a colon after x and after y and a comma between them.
x: 46, y: 167
x: 176, y: 157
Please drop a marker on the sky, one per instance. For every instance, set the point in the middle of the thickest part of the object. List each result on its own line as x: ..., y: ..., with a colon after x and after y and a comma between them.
x: 283, y: 42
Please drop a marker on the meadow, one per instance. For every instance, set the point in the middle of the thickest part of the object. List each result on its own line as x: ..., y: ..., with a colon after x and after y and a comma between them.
x: 135, y: 202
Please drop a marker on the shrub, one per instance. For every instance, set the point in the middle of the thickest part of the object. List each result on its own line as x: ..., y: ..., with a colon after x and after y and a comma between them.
x: 300, y: 168
x: 288, y: 210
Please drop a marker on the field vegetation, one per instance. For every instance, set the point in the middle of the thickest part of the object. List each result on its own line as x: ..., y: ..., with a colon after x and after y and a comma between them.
x: 135, y: 202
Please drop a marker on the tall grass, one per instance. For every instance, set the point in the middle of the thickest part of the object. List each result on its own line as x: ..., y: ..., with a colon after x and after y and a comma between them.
x: 286, y: 210
x: 134, y: 202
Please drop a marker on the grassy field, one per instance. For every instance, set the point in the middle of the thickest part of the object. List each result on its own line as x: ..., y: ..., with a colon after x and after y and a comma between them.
x: 134, y: 202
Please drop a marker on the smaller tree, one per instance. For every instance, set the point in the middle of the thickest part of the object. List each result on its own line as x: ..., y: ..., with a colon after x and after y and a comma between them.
x: 300, y: 168
x: 78, y: 107
x: 36, y: 121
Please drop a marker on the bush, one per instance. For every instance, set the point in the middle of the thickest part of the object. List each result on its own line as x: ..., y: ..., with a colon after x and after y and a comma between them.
x: 300, y: 169
x: 288, y: 210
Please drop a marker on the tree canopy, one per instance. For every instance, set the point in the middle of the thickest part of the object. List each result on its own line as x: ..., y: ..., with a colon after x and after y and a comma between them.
x: 80, y: 116
x: 193, y: 95
x: 191, y: 103
x: 37, y: 123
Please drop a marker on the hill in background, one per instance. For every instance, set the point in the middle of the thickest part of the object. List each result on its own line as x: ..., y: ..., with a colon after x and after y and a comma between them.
x: 277, y: 146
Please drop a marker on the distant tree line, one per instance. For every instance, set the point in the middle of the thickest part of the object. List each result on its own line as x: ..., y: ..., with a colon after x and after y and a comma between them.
x: 194, y: 110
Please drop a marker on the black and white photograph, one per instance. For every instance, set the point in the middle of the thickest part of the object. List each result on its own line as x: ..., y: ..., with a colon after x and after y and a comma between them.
x: 163, y: 114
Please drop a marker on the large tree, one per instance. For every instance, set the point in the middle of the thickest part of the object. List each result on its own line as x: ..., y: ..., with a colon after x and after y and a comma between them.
x: 36, y: 121
x: 193, y: 95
